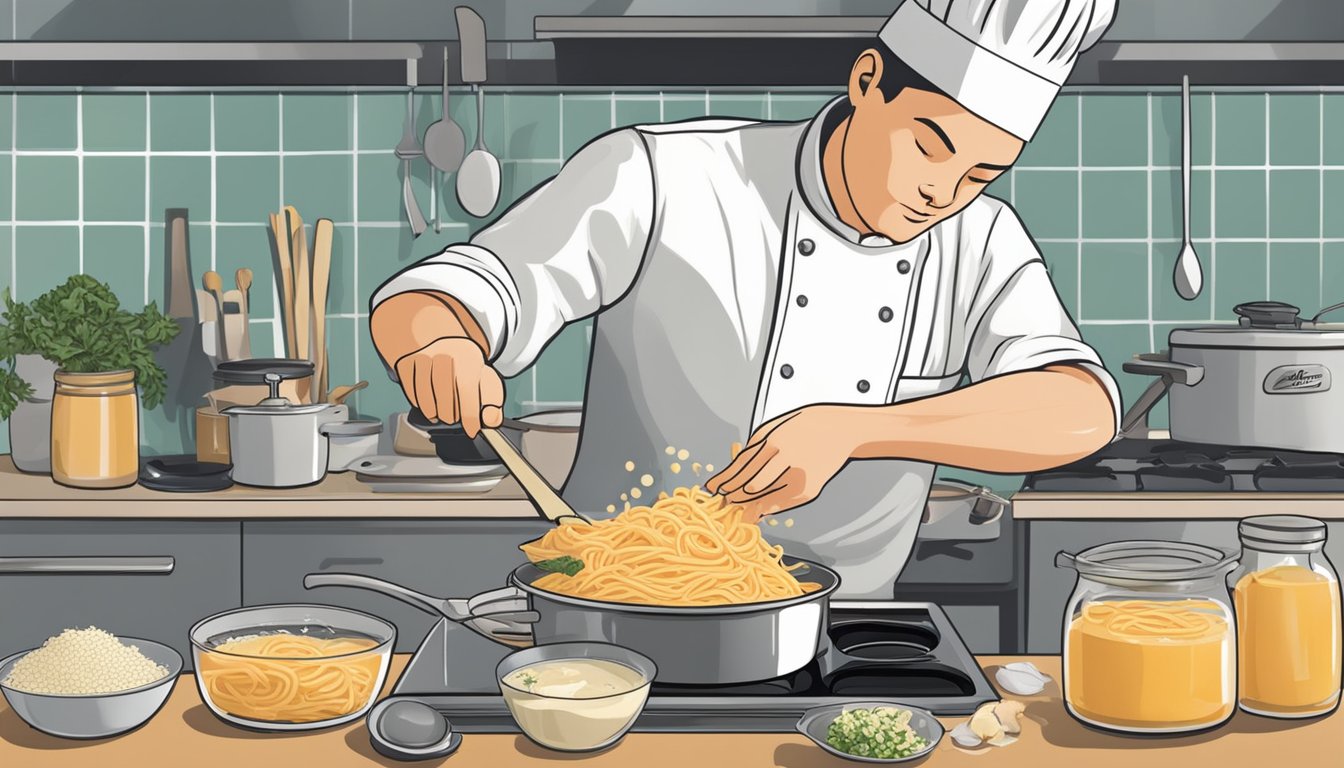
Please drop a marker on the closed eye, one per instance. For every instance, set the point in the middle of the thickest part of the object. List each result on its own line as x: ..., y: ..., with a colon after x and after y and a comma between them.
x: 979, y: 181
x: 922, y: 150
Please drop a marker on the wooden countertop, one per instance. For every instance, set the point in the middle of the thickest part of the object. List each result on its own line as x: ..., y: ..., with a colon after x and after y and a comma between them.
x: 185, y: 733
x: 338, y: 495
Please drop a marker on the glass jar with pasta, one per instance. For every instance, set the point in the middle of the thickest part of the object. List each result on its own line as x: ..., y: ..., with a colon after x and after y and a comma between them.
x: 1149, y: 637
x: 1286, y: 595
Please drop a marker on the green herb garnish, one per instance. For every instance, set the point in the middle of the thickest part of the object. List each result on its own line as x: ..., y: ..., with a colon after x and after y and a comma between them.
x: 562, y: 564
x: 882, y: 732
x: 529, y: 680
x: 81, y: 327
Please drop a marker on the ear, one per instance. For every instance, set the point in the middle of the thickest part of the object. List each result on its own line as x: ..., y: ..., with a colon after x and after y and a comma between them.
x: 865, y: 75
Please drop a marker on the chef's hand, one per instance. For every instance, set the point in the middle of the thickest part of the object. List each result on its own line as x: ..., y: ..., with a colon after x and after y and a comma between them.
x: 450, y: 381
x: 787, y: 461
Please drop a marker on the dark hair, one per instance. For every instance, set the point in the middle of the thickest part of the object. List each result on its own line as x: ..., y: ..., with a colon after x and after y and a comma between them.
x: 897, y: 75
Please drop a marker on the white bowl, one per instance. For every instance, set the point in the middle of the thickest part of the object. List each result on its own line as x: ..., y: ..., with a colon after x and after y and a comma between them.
x: 97, y: 715
x: 570, y: 724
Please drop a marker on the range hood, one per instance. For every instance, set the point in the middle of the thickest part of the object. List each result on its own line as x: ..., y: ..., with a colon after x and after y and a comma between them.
x: 1153, y: 42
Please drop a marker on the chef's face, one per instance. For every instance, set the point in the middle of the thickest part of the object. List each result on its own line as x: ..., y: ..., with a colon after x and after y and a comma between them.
x: 913, y: 161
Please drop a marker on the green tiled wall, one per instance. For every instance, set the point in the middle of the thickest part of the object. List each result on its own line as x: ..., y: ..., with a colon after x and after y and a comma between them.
x: 91, y: 174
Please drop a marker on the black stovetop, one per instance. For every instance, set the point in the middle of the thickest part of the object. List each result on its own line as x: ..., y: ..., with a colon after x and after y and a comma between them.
x: 905, y: 651
x: 1169, y: 465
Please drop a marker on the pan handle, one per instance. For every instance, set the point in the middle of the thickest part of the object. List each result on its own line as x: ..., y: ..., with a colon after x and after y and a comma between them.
x: 426, y: 603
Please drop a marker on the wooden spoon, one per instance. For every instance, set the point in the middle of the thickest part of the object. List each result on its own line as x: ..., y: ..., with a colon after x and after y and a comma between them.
x: 322, y: 235
x: 243, y: 279
x: 298, y: 253
x: 285, y: 270
x: 215, y: 285
x: 339, y: 394
x: 547, y: 501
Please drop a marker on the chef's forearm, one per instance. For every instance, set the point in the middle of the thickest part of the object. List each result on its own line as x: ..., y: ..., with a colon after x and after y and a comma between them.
x: 408, y: 321
x: 1019, y: 422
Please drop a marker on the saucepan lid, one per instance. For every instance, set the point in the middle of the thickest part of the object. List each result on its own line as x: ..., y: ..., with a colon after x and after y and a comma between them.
x: 1149, y: 562
x: 1265, y: 325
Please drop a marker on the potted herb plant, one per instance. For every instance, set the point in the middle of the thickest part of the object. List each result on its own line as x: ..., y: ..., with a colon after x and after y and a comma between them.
x: 100, y: 353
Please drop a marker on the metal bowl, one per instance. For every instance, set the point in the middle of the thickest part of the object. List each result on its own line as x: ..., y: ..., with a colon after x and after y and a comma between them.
x: 99, y: 715
x: 571, y: 724
x: 815, y: 722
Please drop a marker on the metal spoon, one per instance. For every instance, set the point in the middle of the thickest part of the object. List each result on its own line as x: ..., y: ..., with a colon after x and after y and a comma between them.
x: 445, y: 144
x: 1189, y: 276
x: 478, y: 178
x: 408, y: 149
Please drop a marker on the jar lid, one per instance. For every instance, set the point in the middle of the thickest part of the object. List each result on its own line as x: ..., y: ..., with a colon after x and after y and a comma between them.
x: 254, y: 371
x: 1282, y: 529
x: 1156, y: 562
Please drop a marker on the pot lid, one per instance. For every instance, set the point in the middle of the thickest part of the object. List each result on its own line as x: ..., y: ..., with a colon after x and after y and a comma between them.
x: 1149, y: 562
x: 353, y: 428
x: 254, y: 371
x: 1231, y: 336
x: 284, y: 408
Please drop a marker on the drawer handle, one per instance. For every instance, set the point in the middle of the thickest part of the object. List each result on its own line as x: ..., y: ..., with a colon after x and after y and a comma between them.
x: 87, y: 565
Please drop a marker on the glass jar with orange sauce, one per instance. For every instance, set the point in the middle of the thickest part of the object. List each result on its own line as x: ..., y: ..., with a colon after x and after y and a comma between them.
x: 1287, y: 600
x: 1149, y: 637
x: 95, y: 430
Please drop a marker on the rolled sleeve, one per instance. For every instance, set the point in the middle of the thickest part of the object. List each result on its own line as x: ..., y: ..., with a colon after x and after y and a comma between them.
x: 1022, y: 324
x: 572, y: 246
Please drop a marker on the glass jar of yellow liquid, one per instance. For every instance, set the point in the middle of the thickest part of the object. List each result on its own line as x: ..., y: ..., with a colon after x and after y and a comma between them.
x: 95, y: 430
x: 1288, y: 618
x: 1149, y: 637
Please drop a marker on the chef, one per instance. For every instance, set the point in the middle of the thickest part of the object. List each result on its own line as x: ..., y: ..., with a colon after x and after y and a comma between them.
x: 813, y: 290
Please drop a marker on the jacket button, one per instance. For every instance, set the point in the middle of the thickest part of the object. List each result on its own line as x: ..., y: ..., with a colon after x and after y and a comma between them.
x: 903, y: 266
x: 806, y: 247
x: 885, y: 314
x: 863, y: 385
x: 802, y: 301
x: 786, y: 371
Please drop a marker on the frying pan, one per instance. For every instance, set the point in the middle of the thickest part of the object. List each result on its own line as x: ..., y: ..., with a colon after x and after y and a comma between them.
x: 696, y: 645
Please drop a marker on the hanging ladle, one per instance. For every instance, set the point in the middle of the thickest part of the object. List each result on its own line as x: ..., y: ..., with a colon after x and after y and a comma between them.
x: 1189, y: 276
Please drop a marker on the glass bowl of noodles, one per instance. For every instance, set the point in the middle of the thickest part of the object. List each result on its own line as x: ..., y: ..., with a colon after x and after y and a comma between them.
x: 291, y: 667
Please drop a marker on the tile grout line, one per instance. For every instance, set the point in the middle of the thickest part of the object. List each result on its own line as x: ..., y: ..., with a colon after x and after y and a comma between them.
x: 1078, y: 232
x: 1320, y: 199
x: 278, y: 301
x: 354, y: 245
x: 1269, y: 208
x: 14, y: 195
x: 79, y: 174
x: 214, y: 193
x: 1148, y: 189
x: 148, y: 240
x: 1213, y: 195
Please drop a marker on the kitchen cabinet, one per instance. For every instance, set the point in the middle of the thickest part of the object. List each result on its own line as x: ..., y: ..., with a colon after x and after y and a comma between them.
x: 49, y: 580
x: 440, y: 558
x: 1046, y: 588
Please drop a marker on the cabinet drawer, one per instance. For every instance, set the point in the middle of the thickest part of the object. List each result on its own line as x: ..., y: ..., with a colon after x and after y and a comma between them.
x: 446, y: 558
x: 132, y: 578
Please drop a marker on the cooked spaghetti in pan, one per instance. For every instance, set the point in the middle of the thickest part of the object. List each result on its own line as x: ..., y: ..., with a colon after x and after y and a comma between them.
x: 691, y: 548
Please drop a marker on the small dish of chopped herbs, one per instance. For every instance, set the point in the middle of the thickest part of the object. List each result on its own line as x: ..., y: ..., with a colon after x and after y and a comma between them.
x: 873, y: 731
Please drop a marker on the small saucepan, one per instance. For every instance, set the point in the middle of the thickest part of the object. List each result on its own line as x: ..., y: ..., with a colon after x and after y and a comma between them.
x: 548, y: 440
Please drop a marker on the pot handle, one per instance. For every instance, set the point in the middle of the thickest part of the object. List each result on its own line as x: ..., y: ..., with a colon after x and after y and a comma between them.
x: 1168, y: 372
x: 426, y: 603
x: 1066, y: 560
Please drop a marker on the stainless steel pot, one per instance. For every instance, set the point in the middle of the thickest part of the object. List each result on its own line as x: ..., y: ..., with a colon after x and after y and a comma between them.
x: 277, y: 444
x: 1266, y: 382
x: 707, y: 645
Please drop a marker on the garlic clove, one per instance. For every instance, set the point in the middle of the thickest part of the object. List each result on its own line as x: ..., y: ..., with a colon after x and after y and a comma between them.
x: 1009, y: 714
x: 1003, y: 740
x: 985, y: 724
x: 965, y: 737
x: 1021, y: 678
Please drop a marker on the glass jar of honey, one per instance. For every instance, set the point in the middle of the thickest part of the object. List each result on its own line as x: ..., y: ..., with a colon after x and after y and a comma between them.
x: 1149, y: 637
x: 95, y: 430
x: 1287, y: 600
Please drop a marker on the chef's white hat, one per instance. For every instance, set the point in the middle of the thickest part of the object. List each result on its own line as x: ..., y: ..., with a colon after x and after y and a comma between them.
x: 1004, y: 60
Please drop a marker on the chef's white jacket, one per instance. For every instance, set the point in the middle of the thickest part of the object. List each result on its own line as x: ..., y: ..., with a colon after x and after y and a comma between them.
x: 726, y: 291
